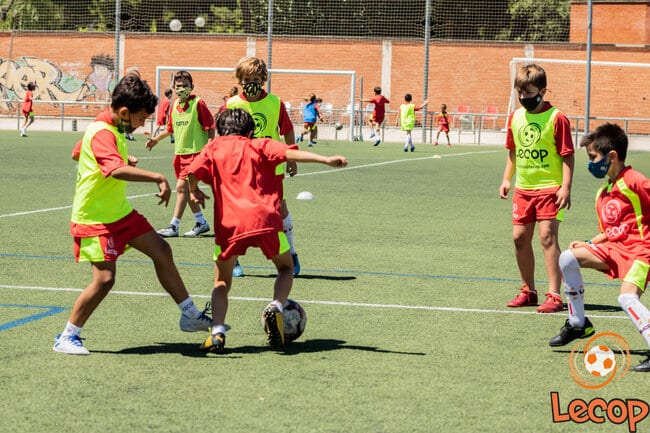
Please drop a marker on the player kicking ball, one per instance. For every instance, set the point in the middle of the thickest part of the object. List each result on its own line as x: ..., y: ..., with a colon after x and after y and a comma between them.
x: 621, y: 249
x: 241, y: 172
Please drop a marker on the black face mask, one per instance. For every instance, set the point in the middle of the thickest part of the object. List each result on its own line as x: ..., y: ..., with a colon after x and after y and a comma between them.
x: 530, y: 103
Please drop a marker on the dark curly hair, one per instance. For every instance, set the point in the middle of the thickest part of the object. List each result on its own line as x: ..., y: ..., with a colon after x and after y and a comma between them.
x: 135, y: 94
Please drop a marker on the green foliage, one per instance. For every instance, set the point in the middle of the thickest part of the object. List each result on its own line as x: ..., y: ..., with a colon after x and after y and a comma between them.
x: 225, y: 20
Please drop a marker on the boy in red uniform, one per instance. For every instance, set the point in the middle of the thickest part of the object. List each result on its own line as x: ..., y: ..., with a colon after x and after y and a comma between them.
x: 247, y: 191
x: 378, y: 112
x: 443, y: 125
x: 27, y: 109
x: 103, y: 222
x: 620, y: 249
x: 540, y: 149
x: 164, y: 110
x: 192, y: 124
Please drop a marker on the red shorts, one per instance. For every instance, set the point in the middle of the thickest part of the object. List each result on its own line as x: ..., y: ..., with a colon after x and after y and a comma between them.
x: 309, y: 126
x: 376, y: 118
x: 112, y: 241
x: 271, y: 245
x: 531, y: 206
x: 621, y: 262
x: 181, y: 163
x: 443, y: 128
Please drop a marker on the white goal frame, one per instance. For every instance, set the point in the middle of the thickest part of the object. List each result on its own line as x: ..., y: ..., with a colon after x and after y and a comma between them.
x: 352, y: 74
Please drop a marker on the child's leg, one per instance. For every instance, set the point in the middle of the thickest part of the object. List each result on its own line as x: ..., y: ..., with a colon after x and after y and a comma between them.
x: 548, y: 237
x: 182, y: 198
x: 222, y: 283
x: 522, y: 236
x: 30, y: 120
x: 287, y: 223
x: 284, y: 281
x: 573, y: 287
x: 94, y: 293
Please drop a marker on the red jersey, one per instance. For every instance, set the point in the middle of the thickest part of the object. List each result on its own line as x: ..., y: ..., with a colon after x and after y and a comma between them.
x: 27, y: 103
x: 205, y: 117
x: 379, y: 111
x: 443, y: 119
x: 246, y: 189
x: 163, y: 111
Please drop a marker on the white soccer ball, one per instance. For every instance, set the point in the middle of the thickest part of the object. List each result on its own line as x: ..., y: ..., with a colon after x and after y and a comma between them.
x: 305, y: 195
x: 175, y: 25
x: 600, y: 361
x: 294, y: 320
x: 199, y: 22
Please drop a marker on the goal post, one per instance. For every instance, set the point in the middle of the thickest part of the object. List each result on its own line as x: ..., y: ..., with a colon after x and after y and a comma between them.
x: 614, y: 87
x: 294, y: 82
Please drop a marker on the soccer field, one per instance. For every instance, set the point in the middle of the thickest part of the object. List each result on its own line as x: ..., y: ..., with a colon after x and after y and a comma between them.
x: 407, y: 264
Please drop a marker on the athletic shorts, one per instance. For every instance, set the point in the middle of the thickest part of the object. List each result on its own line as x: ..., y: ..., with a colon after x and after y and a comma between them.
x: 28, y: 114
x: 443, y: 128
x: 377, y: 119
x: 309, y: 126
x: 108, y: 246
x: 528, y: 207
x: 181, y: 163
x: 623, y: 264
x: 271, y: 245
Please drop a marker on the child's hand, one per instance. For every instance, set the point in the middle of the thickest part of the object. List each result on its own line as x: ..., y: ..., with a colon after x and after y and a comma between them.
x: 199, y: 197
x: 132, y: 160
x: 165, y: 192
x: 337, y: 161
x: 151, y: 142
x: 504, y: 189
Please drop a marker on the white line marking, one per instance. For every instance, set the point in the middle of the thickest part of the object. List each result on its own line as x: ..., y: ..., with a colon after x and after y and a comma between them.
x: 336, y: 303
x: 356, y: 167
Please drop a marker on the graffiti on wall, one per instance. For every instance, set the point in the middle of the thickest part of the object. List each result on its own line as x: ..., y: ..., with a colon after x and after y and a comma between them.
x: 64, y: 83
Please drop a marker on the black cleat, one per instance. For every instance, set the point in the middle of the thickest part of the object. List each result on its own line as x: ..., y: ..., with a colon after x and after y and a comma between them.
x: 569, y: 333
x: 214, y: 343
x: 644, y: 366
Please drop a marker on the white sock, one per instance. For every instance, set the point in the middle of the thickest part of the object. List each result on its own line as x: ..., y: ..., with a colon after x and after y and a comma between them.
x: 287, y: 224
x: 278, y: 304
x: 71, y: 330
x: 199, y: 217
x: 188, y: 308
x: 219, y: 329
x: 573, y: 288
x: 176, y: 222
x: 638, y: 313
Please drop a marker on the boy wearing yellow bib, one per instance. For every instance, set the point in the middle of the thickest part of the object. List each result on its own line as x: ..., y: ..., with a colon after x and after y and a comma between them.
x: 103, y: 222
x: 540, y: 150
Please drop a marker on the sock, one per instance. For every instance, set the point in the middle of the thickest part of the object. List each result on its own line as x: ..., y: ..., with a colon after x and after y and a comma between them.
x: 637, y: 312
x: 278, y: 304
x: 287, y: 225
x: 199, y: 217
x: 71, y: 329
x: 219, y: 329
x: 573, y: 287
x: 188, y: 308
x: 176, y: 222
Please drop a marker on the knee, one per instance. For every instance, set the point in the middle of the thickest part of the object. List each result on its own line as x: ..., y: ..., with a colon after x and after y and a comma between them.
x: 627, y: 299
x: 568, y: 261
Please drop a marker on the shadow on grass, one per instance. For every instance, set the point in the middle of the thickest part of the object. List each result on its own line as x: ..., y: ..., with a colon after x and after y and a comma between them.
x: 303, y: 276
x: 294, y: 348
x: 599, y: 307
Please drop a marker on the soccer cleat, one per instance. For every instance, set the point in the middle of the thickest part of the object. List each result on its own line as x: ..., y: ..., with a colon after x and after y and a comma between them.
x: 299, y: 138
x: 377, y: 141
x: 171, y: 231
x: 412, y: 148
x: 274, y: 327
x: 69, y: 344
x: 237, y: 271
x: 312, y: 143
x: 569, y: 333
x: 214, y: 343
x: 406, y: 149
x: 643, y: 366
x: 552, y: 304
x: 23, y: 132
x: 296, y: 264
x: 198, y: 324
x: 197, y: 230
x: 525, y: 298
x: 129, y: 136
x: 372, y: 134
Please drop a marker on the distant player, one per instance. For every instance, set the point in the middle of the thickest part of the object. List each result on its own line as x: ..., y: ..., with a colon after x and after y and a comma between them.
x: 28, y: 109
x: 311, y: 115
x: 164, y: 111
x: 407, y: 119
x: 242, y: 174
x: 378, y: 112
x: 443, y: 124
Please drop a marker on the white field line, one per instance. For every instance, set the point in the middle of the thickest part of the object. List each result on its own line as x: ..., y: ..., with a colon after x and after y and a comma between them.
x: 378, y: 164
x: 334, y: 303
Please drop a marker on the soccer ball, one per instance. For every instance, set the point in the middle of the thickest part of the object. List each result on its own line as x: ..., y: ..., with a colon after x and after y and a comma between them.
x: 294, y: 320
x: 199, y: 22
x: 600, y: 361
x: 338, y: 126
x: 175, y: 25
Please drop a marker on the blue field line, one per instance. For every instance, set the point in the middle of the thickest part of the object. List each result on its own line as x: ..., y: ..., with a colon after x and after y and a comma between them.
x: 50, y: 310
x: 309, y: 271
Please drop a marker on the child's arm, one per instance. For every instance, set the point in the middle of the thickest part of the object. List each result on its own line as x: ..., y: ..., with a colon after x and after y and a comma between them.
x: 426, y: 101
x: 296, y: 155
x: 564, y: 193
x: 508, y: 172
x: 133, y: 174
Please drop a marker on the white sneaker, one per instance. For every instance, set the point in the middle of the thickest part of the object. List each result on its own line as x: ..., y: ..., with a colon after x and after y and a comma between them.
x: 171, y: 231
x: 200, y: 324
x: 197, y: 230
x: 23, y: 133
x: 69, y: 344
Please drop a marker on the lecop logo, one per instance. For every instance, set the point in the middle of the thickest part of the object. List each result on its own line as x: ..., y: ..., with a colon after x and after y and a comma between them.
x: 604, y: 358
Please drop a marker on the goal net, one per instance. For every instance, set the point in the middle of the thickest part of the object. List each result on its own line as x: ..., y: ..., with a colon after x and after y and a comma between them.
x: 615, y: 93
x: 336, y: 89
